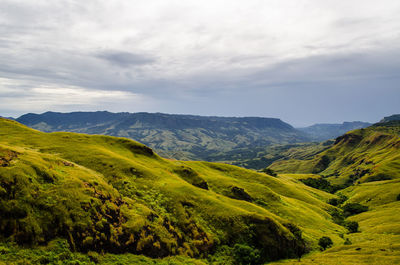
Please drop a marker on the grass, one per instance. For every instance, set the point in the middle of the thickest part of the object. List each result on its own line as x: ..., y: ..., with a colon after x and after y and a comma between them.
x: 114, y: 195
x: 85, y: 199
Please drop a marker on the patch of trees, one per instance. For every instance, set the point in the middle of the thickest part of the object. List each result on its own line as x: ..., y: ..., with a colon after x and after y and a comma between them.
x: 321, y: 184
x: 269, y: 172
x: 325, y: 242
x: 350, y: 209
x: 338, y: 201
x: 339, y: 215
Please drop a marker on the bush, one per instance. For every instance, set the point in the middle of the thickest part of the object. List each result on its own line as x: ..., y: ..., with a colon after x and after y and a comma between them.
x: 398, y: 197
x: 269, y: 172
x: 347, y: 242
x: 319, y: 183
x: 351, y: 226
x: 325, y: 242
x: 246, y: 255
x: 337, y: 201
x: 354, y: 208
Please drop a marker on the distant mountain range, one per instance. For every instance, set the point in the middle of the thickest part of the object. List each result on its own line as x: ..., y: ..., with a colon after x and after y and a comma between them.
x: 243, y: 141
x: 325, y: 131
x: 174, y: 136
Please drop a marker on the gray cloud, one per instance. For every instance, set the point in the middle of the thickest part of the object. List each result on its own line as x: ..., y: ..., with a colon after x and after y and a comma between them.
x: 275, y: 58
x: 125, y: 59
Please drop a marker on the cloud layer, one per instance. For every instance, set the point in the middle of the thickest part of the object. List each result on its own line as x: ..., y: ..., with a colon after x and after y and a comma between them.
x: 303, y: 61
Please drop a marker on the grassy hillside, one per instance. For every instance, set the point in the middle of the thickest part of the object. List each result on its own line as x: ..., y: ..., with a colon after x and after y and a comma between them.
x: 367, y: 162
x: 102, y: 194
x: 359, y: 156
x: 185, y: 137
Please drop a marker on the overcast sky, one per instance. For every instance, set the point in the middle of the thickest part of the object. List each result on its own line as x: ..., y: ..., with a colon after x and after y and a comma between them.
x: 304, y: 61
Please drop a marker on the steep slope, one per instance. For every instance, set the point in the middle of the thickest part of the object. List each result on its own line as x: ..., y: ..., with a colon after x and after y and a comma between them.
x: 174, y: 136
x: 114, y: 195
x: 323, y: 132
x: 362, y: 155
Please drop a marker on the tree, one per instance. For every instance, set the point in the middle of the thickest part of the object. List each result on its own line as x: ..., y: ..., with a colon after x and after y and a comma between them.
x: 269, y: 172
x: 325, y: 242
x: 352, y: 226
x: 246, y: 255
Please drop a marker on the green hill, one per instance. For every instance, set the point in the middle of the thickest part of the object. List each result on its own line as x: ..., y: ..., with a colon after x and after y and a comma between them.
x: 358, y: 156
x: 102, y: 194
x: 187, y: 137
x: 363, y: 165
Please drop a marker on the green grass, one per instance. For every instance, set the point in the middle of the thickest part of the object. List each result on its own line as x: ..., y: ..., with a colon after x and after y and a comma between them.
x: 114, y: 195
x: 114, y: 201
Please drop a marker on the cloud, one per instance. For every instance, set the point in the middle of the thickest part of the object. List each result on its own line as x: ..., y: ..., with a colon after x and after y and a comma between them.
x: 125, y: 59
x: 185, y: 55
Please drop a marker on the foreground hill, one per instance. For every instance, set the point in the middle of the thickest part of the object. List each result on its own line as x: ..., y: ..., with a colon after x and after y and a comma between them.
x: 174, y: 136
x: 325, y: 131
x: 109, y: 195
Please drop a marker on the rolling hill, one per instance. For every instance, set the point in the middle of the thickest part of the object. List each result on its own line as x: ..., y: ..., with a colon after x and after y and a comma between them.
x: 363, y: 166
x: 95, y: 199
x: 358, y: 156
x: 185, y: 137
x: 63, y: 192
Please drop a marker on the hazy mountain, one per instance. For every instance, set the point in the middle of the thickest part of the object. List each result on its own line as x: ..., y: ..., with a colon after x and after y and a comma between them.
x: 395, y: 117
x: 175, y: 136
x: 326, y: 131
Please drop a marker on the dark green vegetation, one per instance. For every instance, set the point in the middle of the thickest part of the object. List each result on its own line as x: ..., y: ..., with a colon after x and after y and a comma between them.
x: 325, y: 242
x: 112, y: 195
x: 262, y: 157
x: 323, y: 132
x: 174, y: 136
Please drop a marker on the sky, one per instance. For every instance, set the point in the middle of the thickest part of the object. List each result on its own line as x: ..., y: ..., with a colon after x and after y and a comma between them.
x: 303, y: 61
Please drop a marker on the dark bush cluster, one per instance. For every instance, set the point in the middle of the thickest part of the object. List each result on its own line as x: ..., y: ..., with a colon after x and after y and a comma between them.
x: 246, y: 255
x: 325, y: 242
x: 352, y: 226
x: 269, y: 172
x: 350, y: 209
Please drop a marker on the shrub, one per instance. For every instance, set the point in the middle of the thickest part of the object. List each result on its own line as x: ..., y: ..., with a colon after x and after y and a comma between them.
x: 319, y: 183
x: 325, y: 242
x: 354, y: 208
x: 352, y: 226
x: 398, y: 197
x: 246, y: 255
x: 269, y: 172
x: 347, y: 242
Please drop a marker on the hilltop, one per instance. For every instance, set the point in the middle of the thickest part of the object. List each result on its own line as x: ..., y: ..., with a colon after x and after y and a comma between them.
x: 112, y: 195
x: 174, y: 136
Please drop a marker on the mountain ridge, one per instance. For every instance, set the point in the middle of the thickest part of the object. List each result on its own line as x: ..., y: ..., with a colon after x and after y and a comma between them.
x: 172, y: 135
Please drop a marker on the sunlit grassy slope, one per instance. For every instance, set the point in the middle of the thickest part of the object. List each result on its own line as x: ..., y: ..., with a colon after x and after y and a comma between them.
x: 112, y: 195
x: 363, y: 155
x: 374, y: 150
